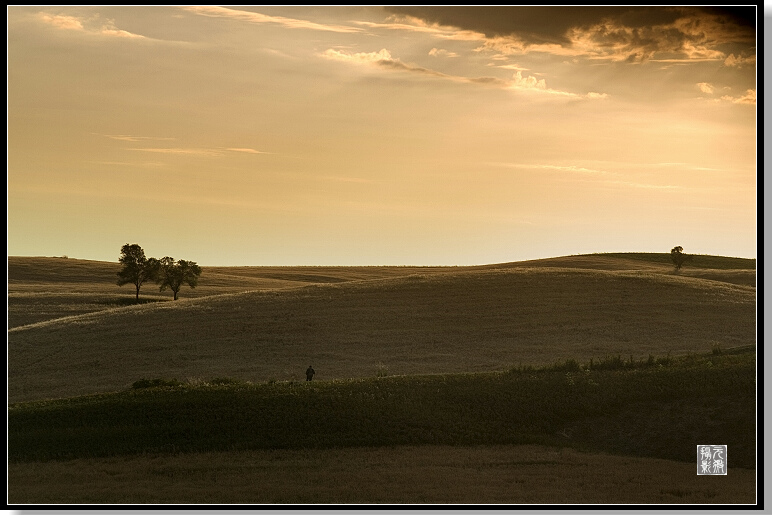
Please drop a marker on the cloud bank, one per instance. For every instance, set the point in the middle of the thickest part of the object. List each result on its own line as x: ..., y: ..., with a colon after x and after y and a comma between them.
x: 621, y: 34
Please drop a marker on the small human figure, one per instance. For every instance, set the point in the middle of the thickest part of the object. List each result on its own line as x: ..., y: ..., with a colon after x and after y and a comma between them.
x: 310, y: 373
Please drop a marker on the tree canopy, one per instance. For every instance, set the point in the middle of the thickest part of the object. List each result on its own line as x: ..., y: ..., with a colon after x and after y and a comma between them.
x: 173, y: 274
x: 678, y: 257
x: 137, y: 269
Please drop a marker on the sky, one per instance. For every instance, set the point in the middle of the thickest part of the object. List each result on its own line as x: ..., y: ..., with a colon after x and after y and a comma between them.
x: 281, y: 135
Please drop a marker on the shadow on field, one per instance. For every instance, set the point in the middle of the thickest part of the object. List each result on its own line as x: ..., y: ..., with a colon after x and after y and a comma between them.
x: 121, y: 302
x: 658, y: 408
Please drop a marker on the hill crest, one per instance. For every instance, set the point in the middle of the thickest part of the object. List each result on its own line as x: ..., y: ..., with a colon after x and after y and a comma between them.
x: 458, y: 320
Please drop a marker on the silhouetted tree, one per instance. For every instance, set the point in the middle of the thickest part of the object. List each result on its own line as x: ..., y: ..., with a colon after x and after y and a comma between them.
x: 173, y: 274
x: 678, y: 257
x: 136, y: 267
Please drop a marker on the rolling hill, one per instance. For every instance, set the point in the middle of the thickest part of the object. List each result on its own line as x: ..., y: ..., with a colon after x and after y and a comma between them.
x: 73, y: 332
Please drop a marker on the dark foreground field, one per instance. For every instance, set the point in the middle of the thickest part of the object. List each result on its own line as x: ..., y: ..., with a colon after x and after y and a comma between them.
x: 426, y: 474
x: 657, y: 408
x: 585, y: 379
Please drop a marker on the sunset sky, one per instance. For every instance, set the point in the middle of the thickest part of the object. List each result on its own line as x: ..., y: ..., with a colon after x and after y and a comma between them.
x: 380, y: 135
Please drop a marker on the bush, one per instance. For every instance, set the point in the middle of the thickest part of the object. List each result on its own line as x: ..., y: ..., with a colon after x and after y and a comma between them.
x: 570, y: 365
x: 664, y: 361
x: 152, y: 383
x: 609, y: 363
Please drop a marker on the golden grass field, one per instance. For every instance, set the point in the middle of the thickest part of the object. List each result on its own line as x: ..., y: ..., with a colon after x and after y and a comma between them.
x: 73, y: 332
x: 264, y: 323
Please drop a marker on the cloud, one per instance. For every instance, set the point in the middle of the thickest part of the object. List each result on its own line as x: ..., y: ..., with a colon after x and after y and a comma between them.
x: 599, y: 177
x: 359, y: 57
x: 618, y: 34
x: 92, y: 26
x: 532, y: 25
x: 62, y: 22
x: 560, y: 168
x: 748, y: 98
x: 210, y: 152
x: 246, y: 150
x: 439, y: 52
x: 254, y: 17
x: 740, y: 61
x: 124, y: 137
x: 574, y: 169
x: 416, y: 24
x: 664, y: 187
x: 616, y: 42
x: 597, y: 96
x: 530, y: 82
x: 705, y: 87
x: 384, y: 59
x: 110, y: 30
x: 512, y: 67
x: 206, y: 152
x: 146, y: 164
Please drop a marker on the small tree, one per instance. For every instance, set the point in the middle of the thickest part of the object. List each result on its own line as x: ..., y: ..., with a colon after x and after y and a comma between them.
x: 173, y: 274
x: 678, y: 257
x: 136, y: 267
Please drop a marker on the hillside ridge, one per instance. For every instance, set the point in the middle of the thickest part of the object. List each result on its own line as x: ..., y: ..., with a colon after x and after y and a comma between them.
x: 467, y: 320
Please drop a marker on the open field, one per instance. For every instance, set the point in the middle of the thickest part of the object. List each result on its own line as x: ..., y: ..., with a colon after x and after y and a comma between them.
x: 656, y: 408
x: 438, y: 321
x: 45, y: 288
x: 424, y: 377
x: 496, y: 474
x: 628, y: 407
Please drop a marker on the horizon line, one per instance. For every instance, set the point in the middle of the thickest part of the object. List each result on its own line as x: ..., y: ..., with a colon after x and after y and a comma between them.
x: 64, y: 256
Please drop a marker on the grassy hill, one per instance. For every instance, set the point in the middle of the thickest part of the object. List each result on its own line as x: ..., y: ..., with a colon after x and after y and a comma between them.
x: 619, y: 406
x: 434, y: 384
x: 45, y: 288
x: 361, y: 321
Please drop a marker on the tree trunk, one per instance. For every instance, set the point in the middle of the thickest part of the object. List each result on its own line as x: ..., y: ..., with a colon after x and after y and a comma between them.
x: 137, y: 294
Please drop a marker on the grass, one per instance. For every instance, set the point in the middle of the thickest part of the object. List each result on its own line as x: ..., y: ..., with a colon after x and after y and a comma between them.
x: 698, y: 260
x: 496, y: 474
x: 46, y: 288
x: 640, y: 409
x: 467, y: 321
x: 415, y: 400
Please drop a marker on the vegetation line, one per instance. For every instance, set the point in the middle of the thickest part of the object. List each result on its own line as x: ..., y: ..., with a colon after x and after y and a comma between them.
x: 616, y: 405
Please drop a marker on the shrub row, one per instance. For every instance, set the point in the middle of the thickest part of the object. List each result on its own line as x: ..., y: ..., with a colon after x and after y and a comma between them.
x: 522, y: 405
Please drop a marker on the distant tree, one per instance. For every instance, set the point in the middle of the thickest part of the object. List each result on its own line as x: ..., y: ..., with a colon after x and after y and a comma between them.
x: 678, y: 257
x: 137, y: 269
x: 173, y: 274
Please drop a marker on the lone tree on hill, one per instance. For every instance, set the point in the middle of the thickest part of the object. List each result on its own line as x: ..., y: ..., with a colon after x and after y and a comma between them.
x: 136, y: 267
x: 173, y: 274
x: 678, y: 257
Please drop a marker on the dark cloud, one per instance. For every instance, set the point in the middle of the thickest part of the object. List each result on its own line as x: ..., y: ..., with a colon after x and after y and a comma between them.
x: 550, y: 24
x: 743, y: 16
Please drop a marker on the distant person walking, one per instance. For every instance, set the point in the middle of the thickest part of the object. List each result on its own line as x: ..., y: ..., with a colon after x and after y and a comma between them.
x: 310, y: 373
